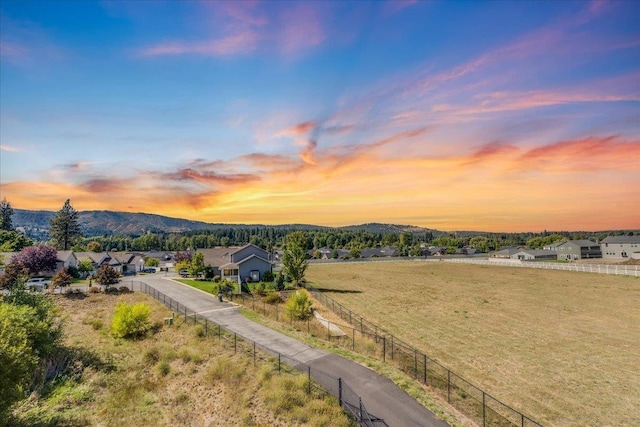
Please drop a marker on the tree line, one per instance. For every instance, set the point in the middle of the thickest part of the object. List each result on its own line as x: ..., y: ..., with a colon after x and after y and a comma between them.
x: 65, y: 234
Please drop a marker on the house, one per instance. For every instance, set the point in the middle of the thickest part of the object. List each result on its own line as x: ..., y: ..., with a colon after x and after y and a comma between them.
x: 621, y: 247
x: 552, y: 246
x: 216, y: 257
x: 245, y: 264
x: 535, y: 255
x: 65, y: 259
x: 129, y: 262
x: 578, y: 249
x: 387, y: 251
x: 506, y: 252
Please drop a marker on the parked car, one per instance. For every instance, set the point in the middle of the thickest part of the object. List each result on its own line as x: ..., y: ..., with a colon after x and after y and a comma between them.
x: 38, y: 284
x: 149, y: 270
x: 184, y: 273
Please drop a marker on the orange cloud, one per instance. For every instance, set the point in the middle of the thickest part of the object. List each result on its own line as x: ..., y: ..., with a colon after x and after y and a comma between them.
x: 596, y: 153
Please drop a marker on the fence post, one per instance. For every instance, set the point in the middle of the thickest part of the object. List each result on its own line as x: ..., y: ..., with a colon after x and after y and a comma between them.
x: 353, y: 339
x: 235, y: 341
x: 219, y: 336
x: 206, y: 326
x: 254, y: 353
x: 391, y: 347
x: 384, y: 348
x: 278, y: 362
x: 424, y: 366
x: 415, y: 363
x: 309, y: 372
x: 340, y: 391
x: 448, y: 386
x: 484, y: 414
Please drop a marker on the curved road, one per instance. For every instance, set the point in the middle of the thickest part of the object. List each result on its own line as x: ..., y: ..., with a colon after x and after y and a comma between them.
x: 382, y: 398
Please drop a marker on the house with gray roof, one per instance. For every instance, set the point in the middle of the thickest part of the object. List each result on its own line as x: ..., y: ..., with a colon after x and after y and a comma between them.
x: 578, y: 249
x: 535, y: 255
x: 621, y: 247
x: 245, y: 264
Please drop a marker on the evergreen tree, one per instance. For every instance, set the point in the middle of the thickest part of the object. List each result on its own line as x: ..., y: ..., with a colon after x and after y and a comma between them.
x: 64, y: 228
x: 294, y: 259
x: 6, y: 212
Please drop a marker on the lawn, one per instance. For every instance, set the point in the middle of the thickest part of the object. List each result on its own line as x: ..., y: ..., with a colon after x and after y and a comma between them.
x: 561, y: 347
x: 203, y: 285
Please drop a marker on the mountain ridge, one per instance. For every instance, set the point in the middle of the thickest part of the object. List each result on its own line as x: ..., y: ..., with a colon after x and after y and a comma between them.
x: 101, y: 222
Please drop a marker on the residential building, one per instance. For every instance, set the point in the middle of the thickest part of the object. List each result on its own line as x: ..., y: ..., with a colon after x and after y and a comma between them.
x: 247, y: 263
x: 621, y: 247
x: 578, y: 249
x: 535, y: 255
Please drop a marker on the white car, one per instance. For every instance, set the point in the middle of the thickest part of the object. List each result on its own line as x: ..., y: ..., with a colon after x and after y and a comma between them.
x: 38, y: 283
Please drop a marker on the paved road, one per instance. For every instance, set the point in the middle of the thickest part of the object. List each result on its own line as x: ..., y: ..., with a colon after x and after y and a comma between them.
x: 382, y: 398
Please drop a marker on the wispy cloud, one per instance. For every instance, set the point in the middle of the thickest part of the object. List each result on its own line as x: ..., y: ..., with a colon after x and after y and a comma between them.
x: 239, y: 43
x: 4, y: 147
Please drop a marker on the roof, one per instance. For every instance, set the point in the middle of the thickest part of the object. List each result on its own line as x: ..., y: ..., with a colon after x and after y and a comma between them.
x: 215, y: 257
x: 538, y: 252
x: 96, y: 257
x: 580, y: 243
x: 246, y: 246
x: 243, y: 260
x: 621, y: 239
x: 64, y: 255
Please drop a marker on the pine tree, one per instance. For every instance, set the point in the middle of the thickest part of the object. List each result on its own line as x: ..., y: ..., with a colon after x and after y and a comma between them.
x: 64, y: 228
x: 6, y: 212
x: 294, y: 259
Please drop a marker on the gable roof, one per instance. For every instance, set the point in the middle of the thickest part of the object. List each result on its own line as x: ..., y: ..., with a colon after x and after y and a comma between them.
x: 216, y: 257
x: 247, y: 246
x: 580, y: 243
x: 64, y: 255
x: 537, y: 252
x: 621, y: 239
x: 242, y: 261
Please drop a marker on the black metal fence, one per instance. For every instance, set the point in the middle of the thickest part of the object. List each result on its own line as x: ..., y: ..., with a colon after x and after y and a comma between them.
x: 319, y: 383
x: 469, y: 399
x: 363, y: 336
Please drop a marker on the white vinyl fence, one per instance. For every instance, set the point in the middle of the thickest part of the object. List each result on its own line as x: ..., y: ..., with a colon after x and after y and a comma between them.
x: 622, y: 269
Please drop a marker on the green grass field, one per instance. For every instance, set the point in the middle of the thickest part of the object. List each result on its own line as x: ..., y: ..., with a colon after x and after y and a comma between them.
x: 561, y: 347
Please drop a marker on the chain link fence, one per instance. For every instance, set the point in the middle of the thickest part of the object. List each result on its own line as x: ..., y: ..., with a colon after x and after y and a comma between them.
x: 319, y: 383
x: 365, y: 337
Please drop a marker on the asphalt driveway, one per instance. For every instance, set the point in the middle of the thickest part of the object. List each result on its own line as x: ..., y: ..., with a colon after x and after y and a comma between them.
x: 382, y: 398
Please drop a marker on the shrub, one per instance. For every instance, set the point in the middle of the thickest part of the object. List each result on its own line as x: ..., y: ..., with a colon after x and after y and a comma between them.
x: 298, y: 306
x: 111, y: 290
x: 94, y: 290
x: 273, y: 298
x: 124, y: 289
x: 267, y: 276
x: 130, y: 321
x: 258, y: 288
x: 164, y: 368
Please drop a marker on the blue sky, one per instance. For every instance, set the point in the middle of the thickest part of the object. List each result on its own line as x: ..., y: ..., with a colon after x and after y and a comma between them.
x: 453, y: 115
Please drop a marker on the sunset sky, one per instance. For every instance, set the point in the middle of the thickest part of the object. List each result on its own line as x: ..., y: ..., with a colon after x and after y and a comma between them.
x: 492, y: 116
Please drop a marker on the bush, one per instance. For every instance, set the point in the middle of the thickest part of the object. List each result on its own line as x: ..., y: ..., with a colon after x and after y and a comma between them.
x: 131, y: 321
x: 257, y: 288
x: 267, y: 276
x: 273, y: 298
x: 111, y: 290
x: 124, y: 289
x: 94, y: 290
x: 298, y: 306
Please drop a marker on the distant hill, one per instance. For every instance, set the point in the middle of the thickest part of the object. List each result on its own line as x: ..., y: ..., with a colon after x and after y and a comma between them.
x: 98, y: 223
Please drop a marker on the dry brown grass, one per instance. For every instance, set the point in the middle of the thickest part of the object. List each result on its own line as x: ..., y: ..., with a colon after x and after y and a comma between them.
x: 562, y: 347
x: 174, y: 377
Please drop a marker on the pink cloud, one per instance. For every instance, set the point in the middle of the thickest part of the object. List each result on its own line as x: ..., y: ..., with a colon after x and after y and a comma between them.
x: 4, y: 147
x: 301, y: 29
x: 240, y: 43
